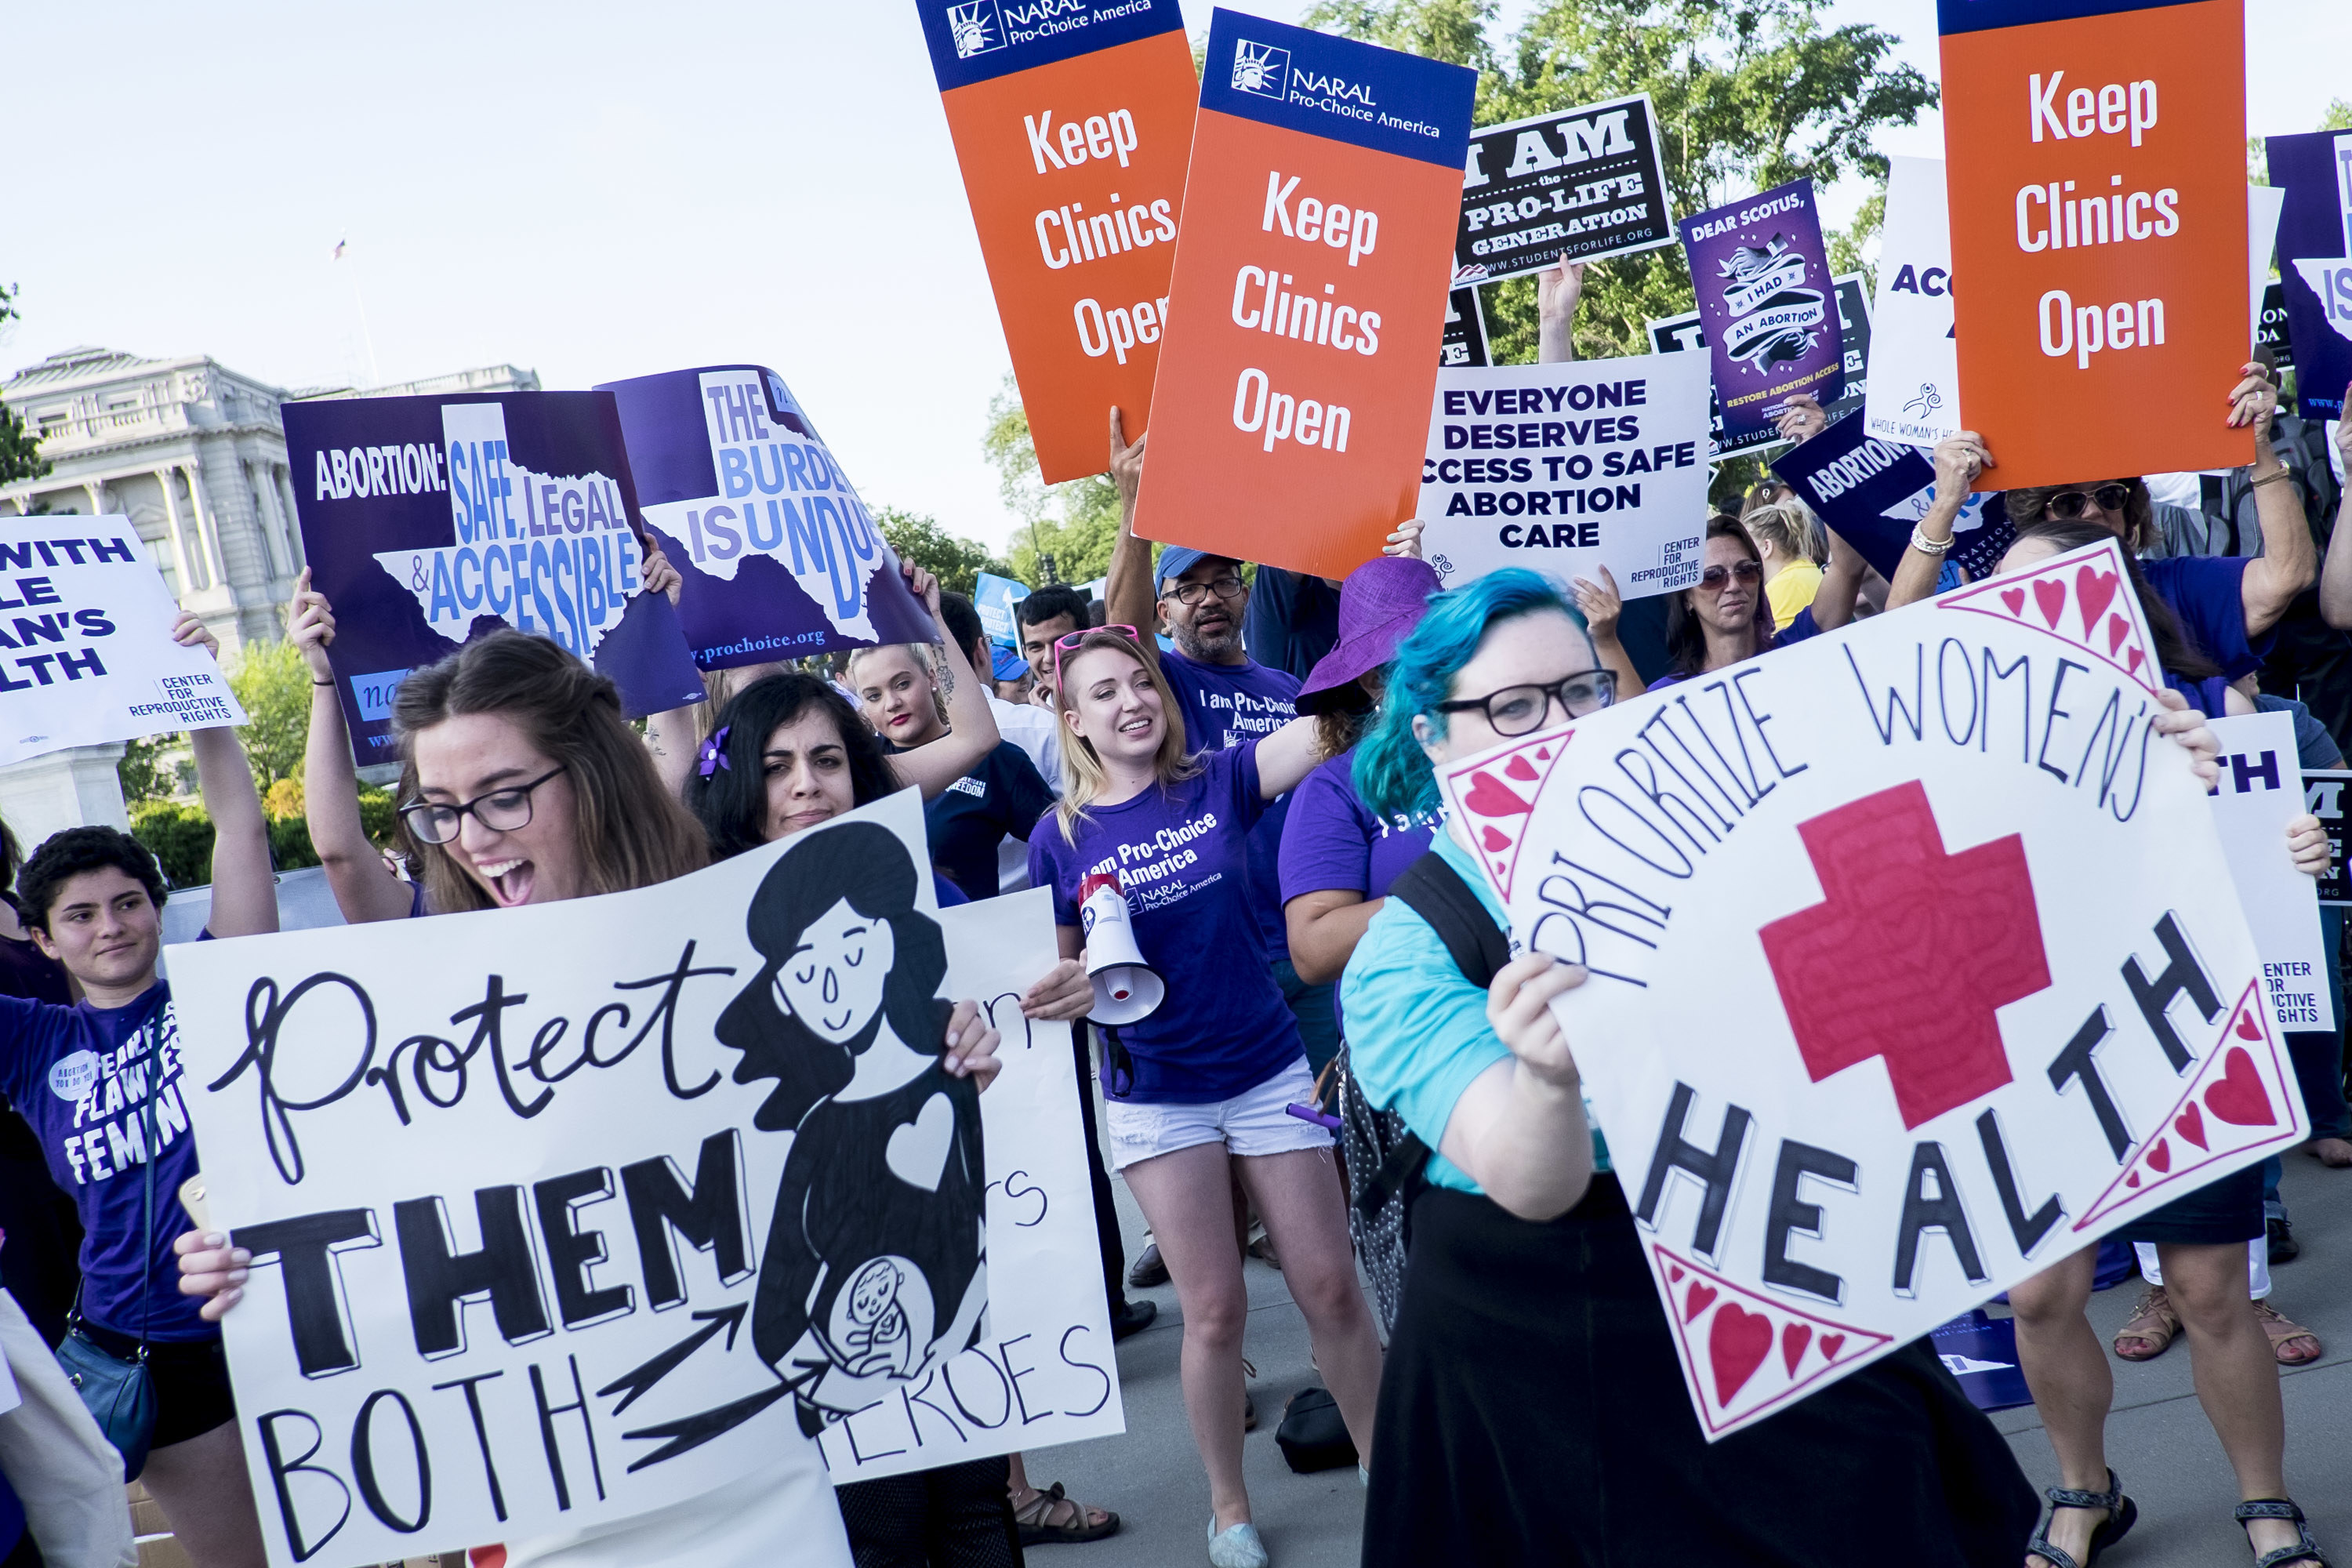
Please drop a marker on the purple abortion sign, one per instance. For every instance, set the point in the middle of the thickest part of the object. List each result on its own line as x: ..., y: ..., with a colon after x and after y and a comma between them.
x: 428, y: 522
x: 1767, y: 303
x: 780, y: 558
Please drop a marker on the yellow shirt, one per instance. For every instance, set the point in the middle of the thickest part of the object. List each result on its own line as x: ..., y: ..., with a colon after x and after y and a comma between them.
x: 1791, y: 591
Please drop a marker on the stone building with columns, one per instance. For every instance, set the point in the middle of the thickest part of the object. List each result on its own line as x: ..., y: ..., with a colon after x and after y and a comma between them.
x: 195, y: 454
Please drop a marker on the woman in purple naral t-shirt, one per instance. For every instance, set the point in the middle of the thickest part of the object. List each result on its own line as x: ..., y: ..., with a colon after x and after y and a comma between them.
x: 1338, y: 856
x: 1205, y: 1080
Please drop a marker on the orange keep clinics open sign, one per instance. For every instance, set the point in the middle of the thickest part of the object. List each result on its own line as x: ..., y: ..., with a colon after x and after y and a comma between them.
x: 1291, y: 414
x: 2095, y: 158
x: 1073, y: 141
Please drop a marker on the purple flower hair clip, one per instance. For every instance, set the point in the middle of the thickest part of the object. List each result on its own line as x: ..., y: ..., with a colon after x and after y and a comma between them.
x: 714, y: 753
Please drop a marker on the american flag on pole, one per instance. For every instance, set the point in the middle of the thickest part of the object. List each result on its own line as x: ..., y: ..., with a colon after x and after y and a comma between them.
x: 339, y: 249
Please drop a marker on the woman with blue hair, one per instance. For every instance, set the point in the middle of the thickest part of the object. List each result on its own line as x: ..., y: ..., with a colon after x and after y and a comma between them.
x: 1532, y: 1409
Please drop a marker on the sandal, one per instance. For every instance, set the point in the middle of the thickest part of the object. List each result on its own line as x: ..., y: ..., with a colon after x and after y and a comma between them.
x: 2306, y: 1550
x: 1034, y: 1518
x: 2283, y: 1332
x: 2122, y: 1514
x: 2153, y: 1322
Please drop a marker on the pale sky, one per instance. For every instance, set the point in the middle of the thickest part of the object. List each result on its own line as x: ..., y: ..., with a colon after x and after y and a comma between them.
x: 596, y: 191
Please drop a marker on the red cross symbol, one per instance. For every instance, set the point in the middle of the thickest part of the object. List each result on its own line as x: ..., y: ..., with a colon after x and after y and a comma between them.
x: 1910, y: 953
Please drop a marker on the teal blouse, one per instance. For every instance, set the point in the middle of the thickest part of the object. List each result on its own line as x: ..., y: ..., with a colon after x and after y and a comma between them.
x: 1417, y: 1029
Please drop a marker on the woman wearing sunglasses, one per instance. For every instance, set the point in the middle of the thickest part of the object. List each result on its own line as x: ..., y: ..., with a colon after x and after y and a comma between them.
x: 1532, y: 1410
x: 1203, y: 1083
x: 1714, y: 622
x: 2226, y: 605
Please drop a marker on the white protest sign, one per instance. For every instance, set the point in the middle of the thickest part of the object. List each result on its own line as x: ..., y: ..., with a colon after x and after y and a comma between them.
x: 2262, y: 790
x: 86, y: 648
x: 2264, y: 206
x: 1913, y: 962
x: 566, y: 1213
x: 1566, y: 468
x: 1914, y: 374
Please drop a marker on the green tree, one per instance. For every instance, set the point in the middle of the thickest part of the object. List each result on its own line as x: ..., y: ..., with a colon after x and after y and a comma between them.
x: 18, y: 457
x: 142, y: 772
x: 956, y: 562
x: 180, y: 834
x: 1749, y: 96
x: 273, y: 685
x: 1075, y: 523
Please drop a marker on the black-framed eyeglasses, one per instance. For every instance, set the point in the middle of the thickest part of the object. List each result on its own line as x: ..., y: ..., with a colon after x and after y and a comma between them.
x: 499, y: 810
x: 1521, y: 710
x: 1715, y: 577
x: 1226, y: 586
x: 2068, y: 505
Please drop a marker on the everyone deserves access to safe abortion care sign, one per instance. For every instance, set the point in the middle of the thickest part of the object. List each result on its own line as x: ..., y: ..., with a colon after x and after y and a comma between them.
x: 1073, y: 122
x: 86, y: 648
x: 1569, y: 468
x: 567, y: 1212
x: 1962, y: 898
x: 426, y: 518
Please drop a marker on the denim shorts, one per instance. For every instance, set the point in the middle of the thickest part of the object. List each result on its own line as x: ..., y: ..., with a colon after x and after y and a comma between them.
x: 1254, y: 1121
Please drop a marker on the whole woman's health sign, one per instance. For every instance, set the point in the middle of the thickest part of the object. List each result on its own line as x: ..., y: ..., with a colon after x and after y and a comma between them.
x: 1907, y: 976
x: 2096, y: 178
x: 1072, y: 122
x: 1308, y: 299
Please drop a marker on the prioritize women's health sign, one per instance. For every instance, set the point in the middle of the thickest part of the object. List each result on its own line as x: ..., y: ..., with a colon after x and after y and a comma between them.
x: 1072, y: 119
x: 2097, y: 176
x: 1961, y: 896
x: 1308, y: 299
x: 563, y: 1214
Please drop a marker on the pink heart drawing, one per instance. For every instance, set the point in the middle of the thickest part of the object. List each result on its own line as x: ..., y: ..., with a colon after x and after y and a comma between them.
x: 2190, y: 1124
x: 2015, y: 599
x: 2239, y: 1097
x: 2094, y: 591
x: 1698, y: 1301
x: 1793, y: 1341
x: 1487, y: 798
x: 1736, y: 1345
x: 2118, y: 628
x: 1521, y: 769
x: 2050, y: 595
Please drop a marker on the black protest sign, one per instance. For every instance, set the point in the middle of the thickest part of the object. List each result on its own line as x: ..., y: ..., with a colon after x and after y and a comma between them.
x: 2271, y: 332
x: 1572, y: 186
x: 1465, y: 343
x: 2323, y: 796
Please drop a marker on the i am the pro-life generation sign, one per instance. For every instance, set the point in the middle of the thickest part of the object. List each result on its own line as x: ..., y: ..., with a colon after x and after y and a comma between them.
x: 1906, y: 974
x: 1575, y: 185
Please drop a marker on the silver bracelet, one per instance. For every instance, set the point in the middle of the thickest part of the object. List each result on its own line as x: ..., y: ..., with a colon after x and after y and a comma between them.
x: 1926, y: 546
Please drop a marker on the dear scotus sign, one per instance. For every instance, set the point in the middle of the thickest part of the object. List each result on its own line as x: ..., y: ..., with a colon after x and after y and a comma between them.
x: 566, y: 1213
x: 1959, y: 899
x: 1309, y: 296
x: 2098, y: 212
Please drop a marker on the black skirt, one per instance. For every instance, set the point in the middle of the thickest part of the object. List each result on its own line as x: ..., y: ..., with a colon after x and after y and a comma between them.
x: 1532, y: 1412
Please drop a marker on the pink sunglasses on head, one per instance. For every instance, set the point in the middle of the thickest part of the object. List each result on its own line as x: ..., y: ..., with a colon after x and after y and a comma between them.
x: 1068, y: 643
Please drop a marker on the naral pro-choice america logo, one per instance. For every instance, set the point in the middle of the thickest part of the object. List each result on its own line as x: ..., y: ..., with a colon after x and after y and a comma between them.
x: 976, y: 28
x: 1260, y: 69
x: 1771, y: 318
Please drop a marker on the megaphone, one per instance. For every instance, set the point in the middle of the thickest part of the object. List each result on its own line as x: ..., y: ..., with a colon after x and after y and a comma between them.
x: 1127, y: 989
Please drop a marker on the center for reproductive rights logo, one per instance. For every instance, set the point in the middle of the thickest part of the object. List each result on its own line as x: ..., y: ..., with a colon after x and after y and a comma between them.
x: 976, y: 28
x: 1260, y: 69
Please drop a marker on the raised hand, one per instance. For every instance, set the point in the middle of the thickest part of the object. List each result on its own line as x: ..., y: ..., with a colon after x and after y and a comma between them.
x: 1801, y: 418
x: 1126, y: 459
x: 661, y: 577
x: 1600, y: 604
x: 1960, y: 458
x: 1406, y: 539
x: 310, y: 626
x: 190, y: 632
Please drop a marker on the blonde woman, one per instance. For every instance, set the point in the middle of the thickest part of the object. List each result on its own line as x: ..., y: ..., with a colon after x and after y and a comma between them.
x: 1203, y: 1083
x: 1788, y: 537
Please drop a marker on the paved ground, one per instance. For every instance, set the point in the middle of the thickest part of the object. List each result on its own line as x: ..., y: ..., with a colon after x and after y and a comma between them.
x: 2158, y: 1440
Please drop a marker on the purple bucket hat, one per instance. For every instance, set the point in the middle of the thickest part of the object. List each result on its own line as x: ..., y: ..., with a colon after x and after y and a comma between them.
x: 1380, y: 603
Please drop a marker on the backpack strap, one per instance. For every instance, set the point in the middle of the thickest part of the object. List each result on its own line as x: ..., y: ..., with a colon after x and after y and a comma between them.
x: 1435, y: 891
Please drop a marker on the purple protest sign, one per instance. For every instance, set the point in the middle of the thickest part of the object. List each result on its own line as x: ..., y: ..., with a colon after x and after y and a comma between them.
x: 780, y: 558
x: 1766, y: 299
x: 429, y: 522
